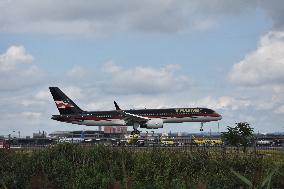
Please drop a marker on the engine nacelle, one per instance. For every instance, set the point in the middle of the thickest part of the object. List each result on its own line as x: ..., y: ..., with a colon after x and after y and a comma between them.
x: 153, y: 124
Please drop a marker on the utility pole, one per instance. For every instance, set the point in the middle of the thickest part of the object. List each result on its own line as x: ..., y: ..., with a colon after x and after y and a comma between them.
x: 9, y: 137
x: 146, y: 138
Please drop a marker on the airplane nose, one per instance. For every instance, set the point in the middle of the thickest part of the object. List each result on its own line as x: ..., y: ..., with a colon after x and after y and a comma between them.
x: 220, y: 117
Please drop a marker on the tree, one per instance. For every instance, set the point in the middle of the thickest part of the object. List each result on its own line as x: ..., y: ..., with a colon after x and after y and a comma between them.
x: 240, y: 135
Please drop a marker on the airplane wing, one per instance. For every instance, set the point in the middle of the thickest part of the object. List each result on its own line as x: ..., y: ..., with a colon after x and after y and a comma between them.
x: 130, y: 118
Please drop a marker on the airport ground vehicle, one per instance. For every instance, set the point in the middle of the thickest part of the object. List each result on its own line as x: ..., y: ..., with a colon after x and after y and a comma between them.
x: 205, y: 141
x: 132, y: 139
x: 166, y: 140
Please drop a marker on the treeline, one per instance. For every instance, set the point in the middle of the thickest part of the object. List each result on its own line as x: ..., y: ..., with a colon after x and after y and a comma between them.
x: 75, y: 166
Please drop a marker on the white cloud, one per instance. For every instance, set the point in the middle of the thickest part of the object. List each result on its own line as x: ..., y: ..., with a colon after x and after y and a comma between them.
x: 77, y: 72
x: 89, y: 17
x: 275, y: 10
x: 145, y: 80
x: 280, y: 110
x: 93, y: 17
x: 43, y: 94
x: 224, y: 103
x: 27, y: 102
x: 32, y: 115
x: 264, y: 66
x: 18, y: 69
x: 40, y: 98
x: 73, y: 92
x: 260, y: 75
x: 12, y: 57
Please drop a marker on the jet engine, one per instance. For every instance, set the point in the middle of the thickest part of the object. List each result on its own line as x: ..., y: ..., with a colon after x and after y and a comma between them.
x: 153, y: 124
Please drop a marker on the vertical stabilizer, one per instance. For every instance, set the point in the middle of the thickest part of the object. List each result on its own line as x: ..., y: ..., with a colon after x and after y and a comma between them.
x: 64, y: 104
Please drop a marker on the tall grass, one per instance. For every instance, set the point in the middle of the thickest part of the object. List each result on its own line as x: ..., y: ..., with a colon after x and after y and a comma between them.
x: 75, y: 166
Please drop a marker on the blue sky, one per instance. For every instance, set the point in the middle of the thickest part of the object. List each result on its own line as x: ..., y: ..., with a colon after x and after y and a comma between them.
x: 218, y: 54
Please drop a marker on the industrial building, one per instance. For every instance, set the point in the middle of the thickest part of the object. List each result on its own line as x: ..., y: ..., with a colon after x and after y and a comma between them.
x: 120, y: 135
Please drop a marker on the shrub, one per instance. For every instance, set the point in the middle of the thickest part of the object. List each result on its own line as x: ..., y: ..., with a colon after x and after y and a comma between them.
x: 75, y: 166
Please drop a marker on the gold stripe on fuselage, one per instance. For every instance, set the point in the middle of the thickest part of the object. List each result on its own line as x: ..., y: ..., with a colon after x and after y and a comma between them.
x: 187, y: 110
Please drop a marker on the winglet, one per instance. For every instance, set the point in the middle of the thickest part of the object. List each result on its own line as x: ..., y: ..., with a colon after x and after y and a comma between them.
x: 116, y: 106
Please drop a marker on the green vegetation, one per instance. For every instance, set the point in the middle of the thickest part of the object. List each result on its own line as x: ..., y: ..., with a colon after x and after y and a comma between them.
x: 240, y: 135
x: 264, y: 184
x: 75, y: 166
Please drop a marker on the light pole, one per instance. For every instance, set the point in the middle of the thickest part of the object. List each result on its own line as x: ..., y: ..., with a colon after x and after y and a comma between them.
x: 146, y: 138
x: 9, y: 137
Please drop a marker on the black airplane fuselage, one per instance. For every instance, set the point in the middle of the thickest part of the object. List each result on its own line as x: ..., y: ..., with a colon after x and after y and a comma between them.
x: 145, y: 118
x: 114, y: 118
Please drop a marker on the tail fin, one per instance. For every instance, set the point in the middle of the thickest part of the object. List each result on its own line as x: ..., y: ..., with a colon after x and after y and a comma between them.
x: 64, y: 104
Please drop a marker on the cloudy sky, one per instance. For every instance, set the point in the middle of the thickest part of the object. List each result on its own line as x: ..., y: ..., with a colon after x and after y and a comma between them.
x: 222, y: 54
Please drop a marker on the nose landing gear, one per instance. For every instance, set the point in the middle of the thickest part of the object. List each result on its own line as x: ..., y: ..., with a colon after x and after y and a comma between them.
x: 201, y: 126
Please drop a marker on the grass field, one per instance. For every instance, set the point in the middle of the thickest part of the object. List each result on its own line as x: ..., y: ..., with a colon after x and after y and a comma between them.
x: 76, y: 166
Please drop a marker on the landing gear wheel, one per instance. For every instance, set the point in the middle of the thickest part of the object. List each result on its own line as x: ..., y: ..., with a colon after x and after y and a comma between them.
x: 135, y: 132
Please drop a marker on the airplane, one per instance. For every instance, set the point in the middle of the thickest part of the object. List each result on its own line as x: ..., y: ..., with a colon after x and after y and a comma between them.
x: 143, y: 118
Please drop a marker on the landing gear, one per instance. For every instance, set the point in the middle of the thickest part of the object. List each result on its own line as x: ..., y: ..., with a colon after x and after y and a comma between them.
x: 201, y: 126
x: 135, y: 132
x: 135, y: 128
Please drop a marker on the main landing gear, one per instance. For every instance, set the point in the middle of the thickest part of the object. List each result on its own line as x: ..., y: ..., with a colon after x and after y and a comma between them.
x: 135, y: 129
x: 135, y: 132
x: 201, y: 126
